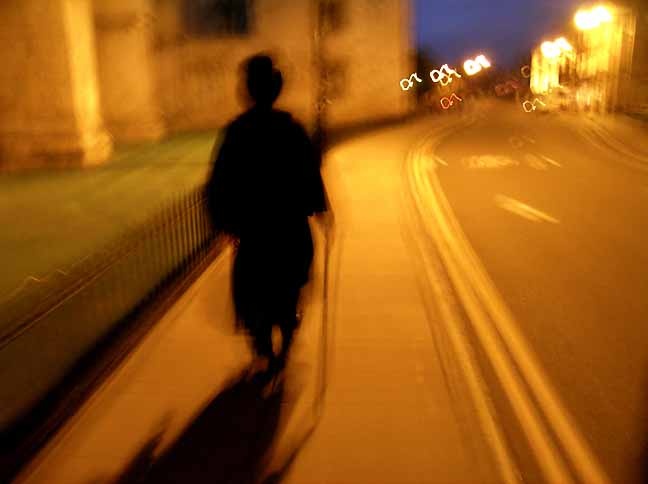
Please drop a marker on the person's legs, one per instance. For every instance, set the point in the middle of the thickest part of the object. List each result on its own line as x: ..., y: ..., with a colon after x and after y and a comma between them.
x: 288, y: 323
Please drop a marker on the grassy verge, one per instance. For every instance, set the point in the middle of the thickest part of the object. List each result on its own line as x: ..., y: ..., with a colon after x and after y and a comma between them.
x: 53, y: 218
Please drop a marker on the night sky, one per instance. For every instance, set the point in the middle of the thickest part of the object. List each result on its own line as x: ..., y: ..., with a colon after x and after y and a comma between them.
x: 454, y: 30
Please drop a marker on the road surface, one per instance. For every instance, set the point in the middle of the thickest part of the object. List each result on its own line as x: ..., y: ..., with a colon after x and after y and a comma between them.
x: 560, y: 226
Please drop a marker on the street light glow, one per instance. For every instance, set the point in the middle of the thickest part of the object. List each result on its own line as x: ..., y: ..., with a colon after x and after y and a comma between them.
x: 553, y: 50
x: 591, y: 19
x: 473, y: 66
x: 550, y: 50
x: 602, y: 14
x: 563, y: 44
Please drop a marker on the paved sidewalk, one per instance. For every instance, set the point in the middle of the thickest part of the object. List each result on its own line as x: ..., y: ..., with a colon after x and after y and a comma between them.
x: 388, y: 416
x: 176, y: 411
x: 179, y: 408
x: 187, y: 358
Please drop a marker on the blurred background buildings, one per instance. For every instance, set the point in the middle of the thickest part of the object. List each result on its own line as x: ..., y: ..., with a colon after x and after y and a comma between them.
x: 79, y: 75
x: 603, y: 66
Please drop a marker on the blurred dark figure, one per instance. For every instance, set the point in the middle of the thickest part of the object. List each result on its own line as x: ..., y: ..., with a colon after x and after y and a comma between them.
x: 264, y: 185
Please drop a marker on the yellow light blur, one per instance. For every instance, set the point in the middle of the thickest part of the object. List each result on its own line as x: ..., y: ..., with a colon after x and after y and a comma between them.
x: 550, y: 50
x: 563, y: 44
x: 602, y: 14
x: 483, y: 61
x: 593, y: 18
x: 473, y: 66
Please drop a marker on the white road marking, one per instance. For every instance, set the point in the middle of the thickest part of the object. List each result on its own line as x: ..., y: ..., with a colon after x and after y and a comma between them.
x: 534, y: 162
x: 489, y: 314
x: 523, y: 210
x: 549, y: 160
x: 488, y: 161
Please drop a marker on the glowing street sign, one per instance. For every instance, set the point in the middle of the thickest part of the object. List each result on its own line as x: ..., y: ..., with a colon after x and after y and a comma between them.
x: 449, y: 101
x: 443, y: 75
x: 408, y: 82
x: 473, y: 66
x: 532, y: 106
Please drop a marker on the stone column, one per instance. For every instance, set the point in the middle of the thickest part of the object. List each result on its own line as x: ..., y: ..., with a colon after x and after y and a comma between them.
x: 49, y: 99
x: 127, y: 74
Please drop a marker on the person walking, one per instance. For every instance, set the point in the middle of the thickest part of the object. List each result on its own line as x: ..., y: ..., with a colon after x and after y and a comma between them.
x: 264, y: 185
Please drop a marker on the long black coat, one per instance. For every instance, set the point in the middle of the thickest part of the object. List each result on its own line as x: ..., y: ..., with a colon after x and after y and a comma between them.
x: 264, y: 185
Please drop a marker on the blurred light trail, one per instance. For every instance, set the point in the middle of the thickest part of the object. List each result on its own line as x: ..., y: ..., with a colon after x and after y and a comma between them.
x: 474, y: 66
x: 532, y: 106
x: 449, y: 101
x: 443, y: 75
x: 409, y: 82
x: 526, y: 69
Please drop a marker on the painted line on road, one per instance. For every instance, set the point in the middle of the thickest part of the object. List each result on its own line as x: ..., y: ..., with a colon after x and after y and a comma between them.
x: 550, y: 161
x: 522, y: 209
x: 549, y: 459
x: 492, y: 320
x: 484, y: 407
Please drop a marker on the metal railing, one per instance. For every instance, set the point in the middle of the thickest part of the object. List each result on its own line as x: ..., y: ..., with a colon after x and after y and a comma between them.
x: 48, y: 324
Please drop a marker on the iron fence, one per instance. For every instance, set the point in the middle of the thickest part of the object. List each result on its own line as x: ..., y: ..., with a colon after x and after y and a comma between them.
x: 48, y: 324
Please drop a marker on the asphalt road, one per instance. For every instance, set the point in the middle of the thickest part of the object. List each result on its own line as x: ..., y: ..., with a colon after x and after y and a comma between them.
x: 560, y: 227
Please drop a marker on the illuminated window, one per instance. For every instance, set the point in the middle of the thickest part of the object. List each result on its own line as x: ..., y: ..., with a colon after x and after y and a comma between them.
x: 217, y: 17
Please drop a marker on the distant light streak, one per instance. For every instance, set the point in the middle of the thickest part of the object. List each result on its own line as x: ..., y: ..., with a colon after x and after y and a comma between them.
x: 532, y: 106
x: 483, y: 61
x: 438, y: 75
x: 409, y: 82
x: 473, y: 66
x: 449, y: 101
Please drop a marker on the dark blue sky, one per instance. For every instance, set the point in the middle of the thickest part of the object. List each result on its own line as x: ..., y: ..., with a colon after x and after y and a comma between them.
x: 502, y: 29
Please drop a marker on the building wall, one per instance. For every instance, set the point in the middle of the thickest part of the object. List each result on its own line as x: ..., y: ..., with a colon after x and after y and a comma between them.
x: 126, y: 68
x: 69, y: 66
x: 637, y: 92
x: 199, y: 77
x: 370, y: 53
x: 49, y: 102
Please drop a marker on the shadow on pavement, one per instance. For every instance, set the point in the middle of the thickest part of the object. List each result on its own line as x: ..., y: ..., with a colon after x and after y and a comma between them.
x: 226, y: 443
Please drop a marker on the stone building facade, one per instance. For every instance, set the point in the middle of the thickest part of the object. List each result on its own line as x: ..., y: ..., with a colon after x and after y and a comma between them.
x: 79, y: 75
